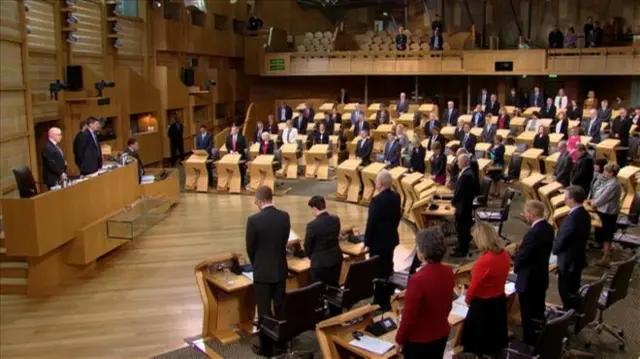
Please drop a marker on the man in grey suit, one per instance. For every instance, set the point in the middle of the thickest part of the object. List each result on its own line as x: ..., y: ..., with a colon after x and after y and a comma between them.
x: 355, y: 115
x: 562, y: 171
x: 489, y: 130
x: 403, y: 104
x: 392, y: 151
x: 592, y: 126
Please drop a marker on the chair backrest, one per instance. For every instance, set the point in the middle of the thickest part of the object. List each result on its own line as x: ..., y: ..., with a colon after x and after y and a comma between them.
x: 620, y: 283
x: 359, y: 282
x: 504, y: 214
x: 588, y: 308
x: 550, y: 344
x: 302, y: 309
x: 25, y: 182
x: 515, y: 164
x: 485, y: 187
x: 415, y: 263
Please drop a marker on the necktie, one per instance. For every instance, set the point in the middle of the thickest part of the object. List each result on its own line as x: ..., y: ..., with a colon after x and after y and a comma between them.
x: 234, y: 143
x: 591, y: 126
x: 283, y: 114
x: 264, y: 148
x: 465, y: 139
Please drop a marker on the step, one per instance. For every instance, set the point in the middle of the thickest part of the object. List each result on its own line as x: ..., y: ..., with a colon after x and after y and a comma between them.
x: 13, y: 285
x: 13, y: 272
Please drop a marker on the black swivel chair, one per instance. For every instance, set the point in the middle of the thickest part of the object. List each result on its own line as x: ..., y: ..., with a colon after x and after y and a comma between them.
x: 515, y: 165
x: 616, y: 290
x: 497, y: 216
x: 357, y: 286
x: 626, y: 240
x: 400, y: 279
x: 27, y: 186
x: 482, y: 200
x: 302, y: 309
x: 550, y: 345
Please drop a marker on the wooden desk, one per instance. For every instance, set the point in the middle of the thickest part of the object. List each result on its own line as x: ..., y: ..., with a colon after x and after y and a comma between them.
x: 424, y: 216
x: 530, y: 185
x: 351, y: 147
x: 335, y: 149
x: 607, y: 150
x: 449, y: 132
x: 369, y: 175
x: 526, y: 138
x: 517, y: 124
x: 483, y: 166
x: 464, y: 118
x: 476, y: 131
x: 298, y: 267
x: 530, y: 162
x: 548, y: 191
x: 228, y: 170
x: 396, y: 174
x: 261, y: 170
x: 317, y: 158
x: 379, y: 136
x: 550, y: 165
x: 627, y: 178
x: 530, y: 110
x: 504, y: 133
x: 484, y: 148
x: 289, y: 155
x: 562, y: 212
x: 352, y: 253
x: 168, y: 188
x: 348, y: 186
x: 406, y: 119
x: 408, y: 182
x: 555, y: 138
x: 327, y: 106
x: 196, y: 176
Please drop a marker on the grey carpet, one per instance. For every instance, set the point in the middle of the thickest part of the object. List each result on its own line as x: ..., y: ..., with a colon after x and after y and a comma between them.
x: 183, y: 353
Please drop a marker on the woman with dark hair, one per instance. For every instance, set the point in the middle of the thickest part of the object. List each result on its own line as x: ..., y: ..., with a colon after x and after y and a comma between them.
x: 574, y: 111
x: 438, y: 164
x: 496, y: 154
x: 418, y: 152
x: 424, y: 328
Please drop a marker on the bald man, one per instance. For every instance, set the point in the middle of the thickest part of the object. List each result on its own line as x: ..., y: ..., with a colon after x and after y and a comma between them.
x: 53, y: 163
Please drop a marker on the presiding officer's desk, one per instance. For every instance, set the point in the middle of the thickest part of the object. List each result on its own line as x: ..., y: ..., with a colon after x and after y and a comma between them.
x: 63, y: 232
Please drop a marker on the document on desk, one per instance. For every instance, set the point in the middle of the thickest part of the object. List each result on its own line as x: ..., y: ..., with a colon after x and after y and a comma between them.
x: 459, y: 309
x: 372, y: 344
x: 248, y: 275
x: 509, y: 288
x: 553, y: 259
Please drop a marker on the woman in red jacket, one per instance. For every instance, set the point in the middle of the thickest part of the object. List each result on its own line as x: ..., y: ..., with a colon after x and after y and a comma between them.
x: 485, y: 330
x: 424, y: 327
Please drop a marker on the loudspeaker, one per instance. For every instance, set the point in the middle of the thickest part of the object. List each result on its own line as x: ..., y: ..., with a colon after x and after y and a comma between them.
x: 188, y: 76
x: 74, y: 77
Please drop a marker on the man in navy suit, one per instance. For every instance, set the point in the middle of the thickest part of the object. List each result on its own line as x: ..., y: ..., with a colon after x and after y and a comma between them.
x: 89, y: 151
x: 392, y: 151
x: 54, y: 165
x: 477, y: 117
x: 451, y: 114
x: 570, y: 246
x: 462, y: 200
x: 592, y: 126
x: 483, y: 98
x: 204, y: 141
x: 381, y: 235
x: 468, y: 140
x: 300, y: 123
x: 537, y: 98
x: 493, y: 106
x: 284, y: 112
x: 531, y: 264
x: 355, y: 115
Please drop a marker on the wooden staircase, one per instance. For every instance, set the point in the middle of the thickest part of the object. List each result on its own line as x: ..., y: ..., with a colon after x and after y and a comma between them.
x: 13, y: 270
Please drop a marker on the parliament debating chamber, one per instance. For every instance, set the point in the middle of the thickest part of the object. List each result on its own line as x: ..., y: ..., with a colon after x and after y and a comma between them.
x: 319, y: 179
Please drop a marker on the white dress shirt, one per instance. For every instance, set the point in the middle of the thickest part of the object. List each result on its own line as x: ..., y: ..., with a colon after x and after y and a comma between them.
x: 560, y: 102
x: 559, y: 127
x: 533, y: 125
x: 289, y: 135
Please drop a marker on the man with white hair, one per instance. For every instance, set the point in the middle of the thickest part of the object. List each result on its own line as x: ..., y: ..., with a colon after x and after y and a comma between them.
x: 381, y: 235
x: 562, y: 171
x: 451, y: 115
x: 53, y: 162
x: 403, y: 104
x: 593, y: 125
x: 463, y: 195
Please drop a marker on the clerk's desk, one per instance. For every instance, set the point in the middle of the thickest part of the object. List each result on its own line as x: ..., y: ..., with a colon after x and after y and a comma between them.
x: 195, y: 168
x: 228, y: 170
x: 261, y: 170
x: 63, y: 232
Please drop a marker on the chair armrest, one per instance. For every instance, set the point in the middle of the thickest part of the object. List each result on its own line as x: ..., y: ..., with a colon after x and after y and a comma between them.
x: 513, y: 351
x: 336, y: 289
x: 273, y: 320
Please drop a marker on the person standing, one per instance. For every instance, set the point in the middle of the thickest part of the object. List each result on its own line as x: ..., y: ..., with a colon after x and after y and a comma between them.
x: 204, y: 141
x: 237, y: 144
x: 76, y: 143
x: 381, y: 235
x: 582, y: 171
x: 463, y: 202
x: 532, y: 267
x: 364, y: 148
x: 132, y: 151
x: 321, y: 244
x: 89, y: 151
x: 605, y: 197
x: 54, y: 165
x: 570, y: 245
x: 562, y: 170
x: 266, y: 242
x: 176, y: 139
x: 620, y: 130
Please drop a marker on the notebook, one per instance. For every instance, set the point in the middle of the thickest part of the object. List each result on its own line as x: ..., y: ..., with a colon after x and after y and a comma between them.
x: 372, y: 344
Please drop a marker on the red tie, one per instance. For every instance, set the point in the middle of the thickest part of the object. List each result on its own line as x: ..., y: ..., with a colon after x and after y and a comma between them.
x: 264, y: 148
x: 234, y: 144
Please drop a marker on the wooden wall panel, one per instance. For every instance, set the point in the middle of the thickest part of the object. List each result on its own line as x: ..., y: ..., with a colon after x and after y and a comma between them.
x: 13, y: 119
x: 137, y: 65
x: 10, y: 19
x: 96, y: 64
x: 133, y: 38
x: 15, y: 153
x: 89, y: 31
x: 41, y: 21
x: 43, y: 70
x: 11, y: 69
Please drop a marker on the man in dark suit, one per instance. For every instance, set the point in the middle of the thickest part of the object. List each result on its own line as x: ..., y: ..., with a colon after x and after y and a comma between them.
x: 300, y: 123
x: 284, y: 112
x: 54, y: 165
x: 343, y: 98
x: 361, y: 124
x: 570, y: 246
x: 204, y: 141
x: 132, y: 151
x: 604, y: 112
x: 89, y: 151
x: 489, y: 130
x: 321, y: 136
x: 176, y: 139
x: 236, y: 143
x: 381, y: 235
x: 392, y: 150
x: 356, y: 113
x: 531, y: 264
x: 257, y: 137
x: 436, y: 42
x: 620, y: 130
x: 582, y: 171
x: 403, y: 104
x: 493, y: 107
x: 451, y: 115
x: 513, y: 99
x: 549, y: 110
x: 477, y: 117
x: 592, y: 126
x: 455, y: 170
x: 266, y: 241
x: 435, y: 137
x: 562, y: 171
x: 463, y: 202
x: 364, y: 148
x: 537, y: 98
x: 309, y: 112
x: 483, y: 98
x: 468, y: 140
x: 321, y: 244
x: 382, y: 116
x: 76, y: 143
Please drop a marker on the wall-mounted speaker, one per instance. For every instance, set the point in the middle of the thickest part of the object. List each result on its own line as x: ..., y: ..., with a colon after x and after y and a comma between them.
x: 188, y: 76
x: 74, y: 77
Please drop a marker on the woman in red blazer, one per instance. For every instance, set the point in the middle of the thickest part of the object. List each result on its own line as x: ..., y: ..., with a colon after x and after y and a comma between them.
x: 424, y: 326
x: 485, y: 329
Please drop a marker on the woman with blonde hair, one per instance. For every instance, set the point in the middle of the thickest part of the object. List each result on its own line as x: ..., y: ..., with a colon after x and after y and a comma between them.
x: 485, y: 331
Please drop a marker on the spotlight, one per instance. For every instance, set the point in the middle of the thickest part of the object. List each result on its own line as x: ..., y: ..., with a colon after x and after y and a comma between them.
x: 118, y: 44
x: 70, y: 2
x: 56, y: 87
x: 73, y: 38
x: 157, y: 4
x: 72, y: 19
x: 117, y: 27
x: 100, y: 86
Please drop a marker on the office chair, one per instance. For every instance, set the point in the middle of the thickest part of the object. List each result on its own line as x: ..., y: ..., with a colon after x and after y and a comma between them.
x: 622, y: 237
x: 482, y: 200
x: 497, y: 216
x: 400, y: 279
x: 357, y: 286
x: 27, y: 186
x: 550, y: 345
x: 615, y: 291
x: 513, y: 173
x: 302, y: 309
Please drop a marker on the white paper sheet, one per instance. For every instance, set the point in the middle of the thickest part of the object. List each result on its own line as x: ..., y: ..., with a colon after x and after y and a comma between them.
x: 509, y: 288
x: 553, y: 259
x: 460, y: 310
x: 248, y: 275
x: 372, y: 344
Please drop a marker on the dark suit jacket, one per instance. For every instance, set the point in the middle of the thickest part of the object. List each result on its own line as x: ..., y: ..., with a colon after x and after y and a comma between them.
x: 562, y: 171
x: 604, y: 114
x: 53, y: 164
x: 272, y: 129
x: 385, y: 212
x: 429, y: 125
x: 549, y: 112
x: 266, y: 240
x: 241, y: 145
x: 542, y: 143
x: 135, y: 155
x: 470, y: 144
x: 361, y: 126
x: 497, y: 154
x: 363, y: 151
x: 301, y: 126
x: 513, y: 100
x: 574, y: 113
x: 380, y: 120
x: 321, y: 241
x: 582, y: 172
x: 438, y: 164
x: 76, y: 148
x: 570, y: 244
x: 492, y: 109
x: 89, y: 153
x: 531, y: 262
x: 488, y: 134
x: 417, y: 159
x: 464, y: 193
x: 477, y: 119
x: 487, y: 98
x: 440, y: 138
x: 564, y: 128
x: 345, y: 100
x: 204, y: 144
x: 402, y: 107
x: 593, y: 131
x: 622, y: 126
x: 458, y: 133
x: 536, y: 101
x: 475, y: 169
x: 269, y: 148
x: 432, y: 42
x: 287, y: 115
x: 451, y: 119
x: 323, y: 141
x: 392, y: 153
x: 175, y: 133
